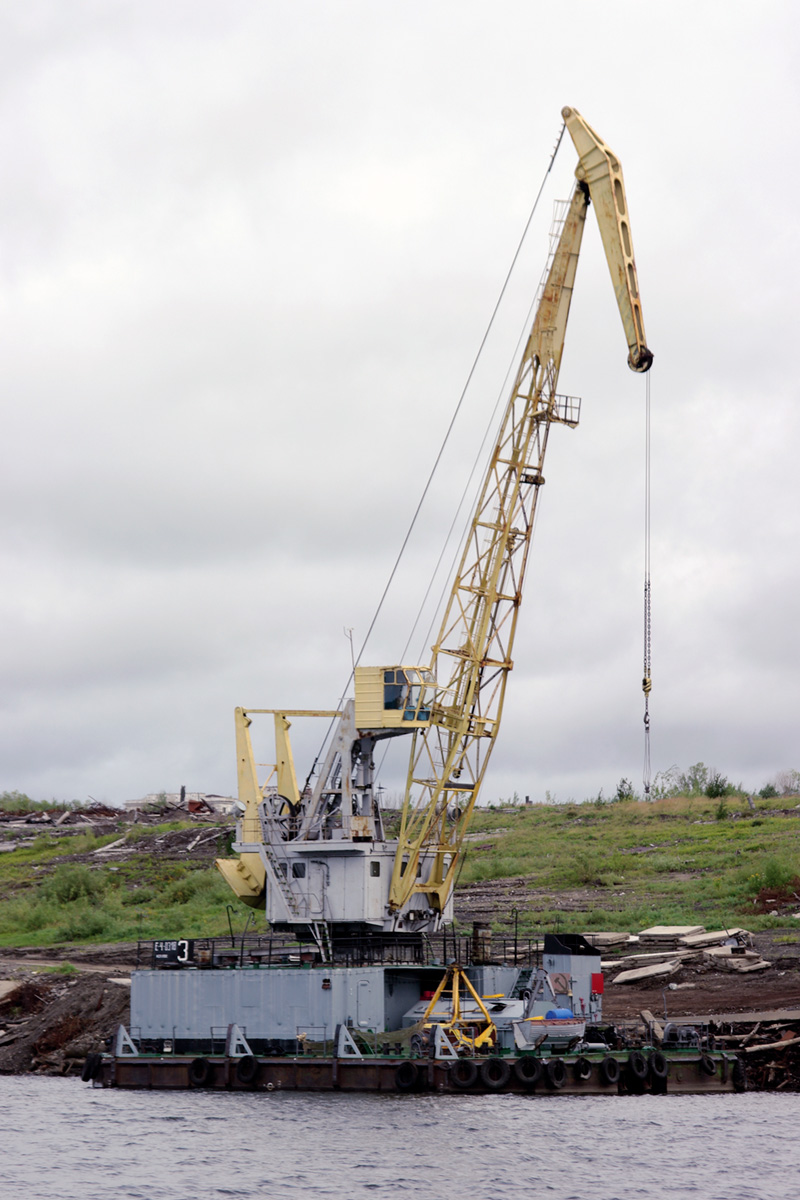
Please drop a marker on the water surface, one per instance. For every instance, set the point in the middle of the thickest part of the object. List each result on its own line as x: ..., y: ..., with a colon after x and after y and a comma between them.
x: 63, y: 1140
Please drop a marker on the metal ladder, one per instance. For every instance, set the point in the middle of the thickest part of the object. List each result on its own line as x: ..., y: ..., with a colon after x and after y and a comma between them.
x: 282, y: 880
x: 322, y: 936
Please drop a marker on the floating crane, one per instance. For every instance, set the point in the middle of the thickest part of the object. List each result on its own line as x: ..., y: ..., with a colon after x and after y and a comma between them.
x: 317, y: 858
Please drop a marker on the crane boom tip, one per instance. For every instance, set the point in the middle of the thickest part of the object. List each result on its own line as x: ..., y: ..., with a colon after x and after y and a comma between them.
x: 641, y: 360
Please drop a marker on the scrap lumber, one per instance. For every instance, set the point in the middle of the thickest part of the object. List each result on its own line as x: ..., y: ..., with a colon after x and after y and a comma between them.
x: 604, y: 941
x: 735, y: 958
x: 772, y: 1045
x: 111, y: 846
x: 658, y: 970
x: 669, y: 933
x: 655, y: 1026
x: 647, y: 960
x: 719, y: 937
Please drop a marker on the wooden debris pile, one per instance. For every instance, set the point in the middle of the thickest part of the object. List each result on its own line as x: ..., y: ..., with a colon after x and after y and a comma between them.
x: 769, y: 1046
x: 681, y: 945
x: 49, y: 1026
x: 19, y: 831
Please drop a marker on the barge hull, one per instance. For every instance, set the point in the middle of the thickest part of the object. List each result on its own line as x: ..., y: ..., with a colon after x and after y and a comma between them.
x: 687, y: 1074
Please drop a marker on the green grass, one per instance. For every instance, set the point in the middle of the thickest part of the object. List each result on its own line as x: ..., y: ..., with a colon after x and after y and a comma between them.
x: 112, y: 908
x: 46, y: 901
x: 673, y: 861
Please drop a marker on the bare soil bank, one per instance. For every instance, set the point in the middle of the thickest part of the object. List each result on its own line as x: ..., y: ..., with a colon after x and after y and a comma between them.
x: 50, y: 1023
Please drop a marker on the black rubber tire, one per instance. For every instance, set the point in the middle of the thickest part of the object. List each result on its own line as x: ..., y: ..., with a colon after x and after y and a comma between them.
x: 707, y: 1065
x: 199, y: 1072
x: 464, y: 1073
x: 495, y: 1074
x: 555, y: 1074
x: 91, y: 1067
x: 528, y: 1071
x: 739, y: 1076
x: 406, y: 1077
x: 582, y: 1070
x: 636, y: 1067
x: 609, y: 1071
x: 247, y: 1069
x: 658, y: 1066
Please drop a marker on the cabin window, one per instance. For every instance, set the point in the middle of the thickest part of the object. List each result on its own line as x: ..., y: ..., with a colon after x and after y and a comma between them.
x: 394, y: 689
x: 299, y: 870
x: 375, y: 869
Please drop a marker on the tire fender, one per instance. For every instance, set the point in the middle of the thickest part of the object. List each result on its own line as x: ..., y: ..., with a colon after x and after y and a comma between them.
x: 707, y: 1065
x: 658, y: 1065
x: 406, y: 1077
x: 91, y: 1067
x: 247, y: 1069
x: 609, y: 1070
x: 495, y: 1074
x: 464, y: 1073
x: 555, y: 1073
x: 637, y: 1066
x: 199, y: 1072
x: 582, y: 1069
x: 528, y: 1070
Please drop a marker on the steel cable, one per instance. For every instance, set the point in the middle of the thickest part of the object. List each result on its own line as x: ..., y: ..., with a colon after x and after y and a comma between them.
x: 647, y: 682
x: 443, y: 446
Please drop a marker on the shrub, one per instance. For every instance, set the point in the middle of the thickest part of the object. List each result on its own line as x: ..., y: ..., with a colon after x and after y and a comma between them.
x: 69, y: 883
x: 717, y: 786
x: 585, y: 868
x: 83, y: 923
x: 778, y: 873
x: 140, y: 895
x: 695, y: 780
x: 16, y: 802
x: 38, y: 916
x: 666, y: 783
x: 788, y: 782
x: 768, y: 792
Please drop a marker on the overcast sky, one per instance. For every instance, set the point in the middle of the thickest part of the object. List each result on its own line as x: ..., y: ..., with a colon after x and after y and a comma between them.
x: 248, y: 251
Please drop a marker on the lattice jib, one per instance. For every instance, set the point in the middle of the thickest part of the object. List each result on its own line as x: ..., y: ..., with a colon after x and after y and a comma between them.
x: 472, y: 655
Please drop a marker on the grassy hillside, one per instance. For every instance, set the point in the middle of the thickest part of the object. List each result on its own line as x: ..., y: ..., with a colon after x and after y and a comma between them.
x: 677, y: 860
x: 620, y: 864
x: 59, y: 890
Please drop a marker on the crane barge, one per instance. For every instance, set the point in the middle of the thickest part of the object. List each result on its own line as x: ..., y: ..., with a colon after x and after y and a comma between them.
x: 317, y: 861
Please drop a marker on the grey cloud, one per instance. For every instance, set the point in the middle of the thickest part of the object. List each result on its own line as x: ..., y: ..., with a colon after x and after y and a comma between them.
x: 248, y: 254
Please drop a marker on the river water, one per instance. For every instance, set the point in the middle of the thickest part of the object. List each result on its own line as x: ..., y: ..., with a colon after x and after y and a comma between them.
x: 64, y: 1140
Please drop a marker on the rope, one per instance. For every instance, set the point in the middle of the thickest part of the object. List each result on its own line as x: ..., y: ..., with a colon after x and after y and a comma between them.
x: 647, y: 682
x: 472, y: 370
x: 437, y: 460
